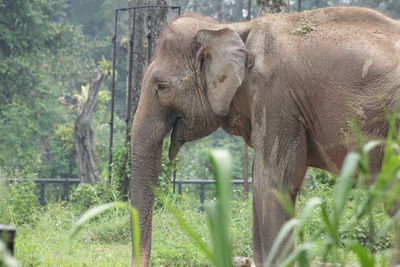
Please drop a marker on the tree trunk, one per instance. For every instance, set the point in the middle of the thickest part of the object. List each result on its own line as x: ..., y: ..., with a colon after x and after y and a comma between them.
x: 272, y: 6
x: 238, y: 10
x: 148, y: 24
x: 84, y: 138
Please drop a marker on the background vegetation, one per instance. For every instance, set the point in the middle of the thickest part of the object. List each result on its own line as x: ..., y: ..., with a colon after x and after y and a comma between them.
x: 52, y: 48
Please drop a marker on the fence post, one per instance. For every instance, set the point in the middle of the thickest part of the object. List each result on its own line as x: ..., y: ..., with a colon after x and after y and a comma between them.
x: 42, y: 197
x: 179, y: 188
x: 201, y: 195
x: 66, y: 189
x: 7, y: 234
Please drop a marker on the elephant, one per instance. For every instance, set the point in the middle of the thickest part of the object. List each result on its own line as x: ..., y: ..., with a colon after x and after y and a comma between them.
x: 288, y: 83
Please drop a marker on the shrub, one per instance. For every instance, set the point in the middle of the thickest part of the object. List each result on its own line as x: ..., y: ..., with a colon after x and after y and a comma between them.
x: 23, y: 202
x: 88, y: 195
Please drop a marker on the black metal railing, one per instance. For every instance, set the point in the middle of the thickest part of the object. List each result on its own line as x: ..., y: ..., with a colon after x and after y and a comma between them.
x: 201, y: 186
x: 65, y: 182
x: 68, y: 182
x: 130, y: 69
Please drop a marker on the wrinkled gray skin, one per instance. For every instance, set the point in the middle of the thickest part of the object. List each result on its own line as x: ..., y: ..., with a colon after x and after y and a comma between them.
x: 289, y: 94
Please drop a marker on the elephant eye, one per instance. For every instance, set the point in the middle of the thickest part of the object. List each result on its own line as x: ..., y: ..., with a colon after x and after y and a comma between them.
x: 162, y: 86
x: 201, y: 62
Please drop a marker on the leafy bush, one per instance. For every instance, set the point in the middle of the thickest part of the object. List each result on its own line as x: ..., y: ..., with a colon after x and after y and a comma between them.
x: 121, y: 166
x: 23, y: 202
x: 88, y: 195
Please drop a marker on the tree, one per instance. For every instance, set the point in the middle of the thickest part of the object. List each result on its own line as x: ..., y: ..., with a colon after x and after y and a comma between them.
x: 145, y: 26
x: 31, y: 38
x: 84, y: 138
x: 272, y: 6
x: 147, y: 23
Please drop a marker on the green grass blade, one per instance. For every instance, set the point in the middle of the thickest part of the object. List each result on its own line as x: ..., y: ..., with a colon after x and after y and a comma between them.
x: 345, y: 182
x: 186, y: 228
x: 286, y: 202
x: 283, y: 233
x: 95, y: 211
x: 218, y: 213
x: 135, y: 229
x: 297, y: 253
x: 371, y: 145
x: 364, y: 256
x: 311, y: 204
x: 88, y: 215
x: 220, y: 240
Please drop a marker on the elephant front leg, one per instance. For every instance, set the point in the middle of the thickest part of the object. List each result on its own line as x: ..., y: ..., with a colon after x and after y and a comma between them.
x: 279, y: 166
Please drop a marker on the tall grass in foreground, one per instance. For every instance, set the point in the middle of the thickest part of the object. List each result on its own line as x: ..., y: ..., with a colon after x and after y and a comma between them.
x: 218, y: 215
x: 328, y: 236
x: 384, y: 189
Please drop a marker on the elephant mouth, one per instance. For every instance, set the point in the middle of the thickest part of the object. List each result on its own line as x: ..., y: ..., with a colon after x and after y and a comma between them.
x: 177, y: 140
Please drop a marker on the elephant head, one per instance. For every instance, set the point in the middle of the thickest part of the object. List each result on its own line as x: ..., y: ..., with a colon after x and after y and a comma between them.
x: 197, y: 68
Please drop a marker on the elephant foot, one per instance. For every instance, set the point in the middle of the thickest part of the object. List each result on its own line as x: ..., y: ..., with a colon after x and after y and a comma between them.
x: 239, y: 261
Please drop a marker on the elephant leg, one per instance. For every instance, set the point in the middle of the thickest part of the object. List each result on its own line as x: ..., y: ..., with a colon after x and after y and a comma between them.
x: 279, y: 165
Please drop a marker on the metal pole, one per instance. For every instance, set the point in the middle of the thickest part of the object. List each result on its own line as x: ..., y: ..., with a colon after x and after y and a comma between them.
x: 248, y: 10
x: 110, y: 150
x: 7, y: 235
x: 130, y: 82
x: 201, y: 196
x: 299, y: 5
x: 148, y: 6
x: 149, y: 47
x: 129, y: 108
x: 42, y: 198
x: 65, y: 190
x: 174, y: 181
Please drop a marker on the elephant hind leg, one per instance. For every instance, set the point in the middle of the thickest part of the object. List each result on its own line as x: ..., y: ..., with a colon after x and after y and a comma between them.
x: 281, y: 172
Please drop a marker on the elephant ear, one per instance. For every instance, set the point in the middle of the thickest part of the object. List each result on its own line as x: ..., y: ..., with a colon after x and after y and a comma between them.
x: 224, y: 55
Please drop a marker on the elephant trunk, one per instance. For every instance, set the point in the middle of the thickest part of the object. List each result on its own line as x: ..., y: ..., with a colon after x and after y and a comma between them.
x: 148, y: 131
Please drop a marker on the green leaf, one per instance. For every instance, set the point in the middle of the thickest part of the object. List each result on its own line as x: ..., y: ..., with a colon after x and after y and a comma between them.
x: 345, y: 182
x: 135, y: 226
x: 298, y: 254
x: 364, y: 256
x: 218, y: 213
x: 135, y: 229
x: 186, y: 228
x: 285, y: 231
x: 88, y: 215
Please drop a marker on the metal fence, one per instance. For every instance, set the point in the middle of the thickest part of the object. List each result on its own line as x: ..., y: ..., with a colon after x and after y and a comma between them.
x: 64, y: 182
x: 201, y: 186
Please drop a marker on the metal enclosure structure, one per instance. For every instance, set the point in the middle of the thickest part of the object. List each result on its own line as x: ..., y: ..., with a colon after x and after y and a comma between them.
x: 129, y: 89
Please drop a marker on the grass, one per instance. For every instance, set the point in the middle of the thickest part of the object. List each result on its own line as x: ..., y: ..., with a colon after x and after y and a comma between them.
x: 334, y: 224
x: 105, y: 241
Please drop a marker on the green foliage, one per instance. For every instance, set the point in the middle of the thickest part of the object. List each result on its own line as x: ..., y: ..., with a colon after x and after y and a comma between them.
x: 194, y: 156
x: 353, y: 219
x: 135, y: 226
x: 121, y: 166
x: 88, y: 195
x: 4, y: 213
x: 168, y: 168
x: 218, y: 213
x: 47, y: 242
x: 23, y: 202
